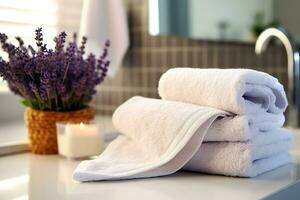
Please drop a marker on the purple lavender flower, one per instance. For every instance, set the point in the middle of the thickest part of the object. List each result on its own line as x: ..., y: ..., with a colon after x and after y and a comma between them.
x: 39, y: 40
x: 55, y: 80
x: 82, y: 47
x: 60, y: 41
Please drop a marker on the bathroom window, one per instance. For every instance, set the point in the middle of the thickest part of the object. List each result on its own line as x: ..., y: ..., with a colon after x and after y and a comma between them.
x: 21, y: 18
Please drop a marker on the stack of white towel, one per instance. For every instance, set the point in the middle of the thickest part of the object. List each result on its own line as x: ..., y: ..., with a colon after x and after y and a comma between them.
x: 219, y: 121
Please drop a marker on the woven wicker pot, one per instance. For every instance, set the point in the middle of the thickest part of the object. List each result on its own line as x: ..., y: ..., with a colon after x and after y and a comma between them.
x: 41, y: 127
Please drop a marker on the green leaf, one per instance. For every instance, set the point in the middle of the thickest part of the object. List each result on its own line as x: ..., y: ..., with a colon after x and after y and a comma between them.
x: 31, y: 104
x: 26, y: 103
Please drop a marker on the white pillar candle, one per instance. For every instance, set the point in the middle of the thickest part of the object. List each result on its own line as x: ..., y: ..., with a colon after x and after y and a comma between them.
x: 79, y: 140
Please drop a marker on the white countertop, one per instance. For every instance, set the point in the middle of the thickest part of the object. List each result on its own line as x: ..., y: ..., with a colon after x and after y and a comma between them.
x: 27, y: 176
x: 49, y: 177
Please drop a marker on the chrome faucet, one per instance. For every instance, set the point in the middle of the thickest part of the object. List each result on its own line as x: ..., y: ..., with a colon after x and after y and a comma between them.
x: 293, y: 68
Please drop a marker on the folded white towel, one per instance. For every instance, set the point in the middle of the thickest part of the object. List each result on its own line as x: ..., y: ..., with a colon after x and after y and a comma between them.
x: 251, y: 169
x: 160, y: 138
x: 243, y: 127
x: 241, y: 91
x: 246, y: 159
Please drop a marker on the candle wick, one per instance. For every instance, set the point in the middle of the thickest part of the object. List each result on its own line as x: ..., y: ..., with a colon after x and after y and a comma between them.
x: 81, y: 125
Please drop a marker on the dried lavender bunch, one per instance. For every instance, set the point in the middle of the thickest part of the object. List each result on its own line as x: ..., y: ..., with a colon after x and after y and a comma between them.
x: 53, y: 80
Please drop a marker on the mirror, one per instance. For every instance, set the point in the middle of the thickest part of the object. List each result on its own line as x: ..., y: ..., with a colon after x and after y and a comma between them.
x: 230, y: 20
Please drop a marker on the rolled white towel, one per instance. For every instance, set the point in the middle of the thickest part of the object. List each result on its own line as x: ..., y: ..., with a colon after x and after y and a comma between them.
x: 243, y: 127
x: 240, y: 91
x: 246, y: 159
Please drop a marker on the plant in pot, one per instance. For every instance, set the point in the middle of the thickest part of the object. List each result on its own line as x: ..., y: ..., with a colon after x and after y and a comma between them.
x: 55, y: 84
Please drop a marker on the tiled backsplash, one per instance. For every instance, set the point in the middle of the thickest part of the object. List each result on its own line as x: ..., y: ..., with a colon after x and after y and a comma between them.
x: 150, y: 56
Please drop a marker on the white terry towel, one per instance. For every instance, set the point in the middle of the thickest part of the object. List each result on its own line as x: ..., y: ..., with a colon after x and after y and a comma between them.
x: 246, y: 159
x: 243, y: 127
x: 240, y: 91
x: 159, y: 138
x: 106, y: 20
x: 162, y: 137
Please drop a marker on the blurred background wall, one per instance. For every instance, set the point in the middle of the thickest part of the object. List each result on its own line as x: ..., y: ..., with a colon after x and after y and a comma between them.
x: 149, y: 56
